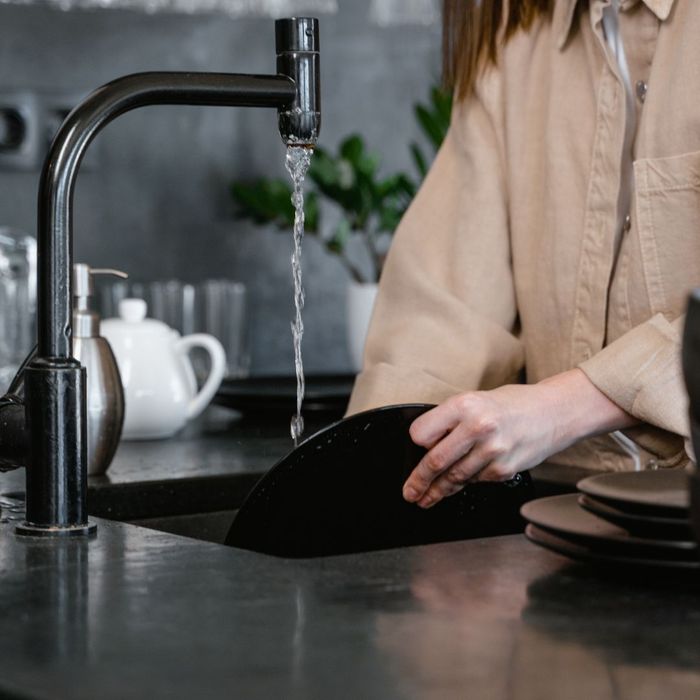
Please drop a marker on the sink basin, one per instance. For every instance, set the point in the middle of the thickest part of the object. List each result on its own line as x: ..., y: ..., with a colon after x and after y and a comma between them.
x: 202, y: 508
x: 208, y: 527
x: 198, y: 507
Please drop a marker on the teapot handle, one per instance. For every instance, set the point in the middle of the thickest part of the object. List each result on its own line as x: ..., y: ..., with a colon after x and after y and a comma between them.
x: 216, y: 373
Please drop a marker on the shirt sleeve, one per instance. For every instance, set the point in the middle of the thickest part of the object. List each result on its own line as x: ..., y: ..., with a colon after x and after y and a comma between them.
x: 641, y: 372
x: 445, y: 316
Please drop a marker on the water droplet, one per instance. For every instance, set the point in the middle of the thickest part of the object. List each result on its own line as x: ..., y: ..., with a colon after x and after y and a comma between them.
x: 296, y: 427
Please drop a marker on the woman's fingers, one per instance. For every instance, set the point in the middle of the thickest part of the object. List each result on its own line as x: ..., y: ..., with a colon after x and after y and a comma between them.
x: 453, y: 480
x: 483, y: 463
x: 440, y: 458
x: 449, y: 432
x: 428, y: 429
x: 492, y: 435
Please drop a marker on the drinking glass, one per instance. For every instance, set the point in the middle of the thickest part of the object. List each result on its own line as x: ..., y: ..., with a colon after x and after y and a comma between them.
x: 214, y: 306
x: 221, y: 310
x: 17, y: 300
x: 173, y: 302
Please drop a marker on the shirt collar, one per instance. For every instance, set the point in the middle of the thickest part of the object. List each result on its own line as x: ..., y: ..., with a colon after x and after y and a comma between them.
x: 564, y: 15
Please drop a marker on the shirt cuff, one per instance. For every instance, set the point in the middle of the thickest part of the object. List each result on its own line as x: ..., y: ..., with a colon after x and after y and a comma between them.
x: 641, y: 372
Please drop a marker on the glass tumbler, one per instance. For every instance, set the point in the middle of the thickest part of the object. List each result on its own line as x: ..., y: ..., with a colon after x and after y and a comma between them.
x: 173, y: 302
x: 221, y: 310
x: 17, y: 300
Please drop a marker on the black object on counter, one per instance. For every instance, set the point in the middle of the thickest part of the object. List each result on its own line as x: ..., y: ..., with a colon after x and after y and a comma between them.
x: 275, y: 396
x: 691, y: 372
x: 340, y: 491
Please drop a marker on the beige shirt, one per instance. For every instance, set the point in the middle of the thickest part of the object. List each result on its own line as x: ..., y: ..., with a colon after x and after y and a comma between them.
x: 512, y: 257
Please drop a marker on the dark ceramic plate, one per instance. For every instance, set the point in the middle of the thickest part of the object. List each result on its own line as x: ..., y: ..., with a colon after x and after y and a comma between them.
x: 328, y: 393
x: 340, y: 491
x: 580, y: 552
x: 695, y: 498
x: 562, y: 516
x: 641, y: 525
x: 663, y: 493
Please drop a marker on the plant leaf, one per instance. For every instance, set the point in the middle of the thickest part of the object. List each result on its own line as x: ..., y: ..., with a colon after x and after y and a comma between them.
x: 336, y: 244
x: 430, y: 125
x: 442, y: 104
x: 270, y: 202
x: 352, y: 148
x: 419, y: 160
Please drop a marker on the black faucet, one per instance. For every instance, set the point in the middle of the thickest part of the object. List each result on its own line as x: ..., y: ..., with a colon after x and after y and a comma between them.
x: 45, y: 430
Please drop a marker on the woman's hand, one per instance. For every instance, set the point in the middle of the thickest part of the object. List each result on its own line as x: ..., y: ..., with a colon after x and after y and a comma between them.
x: 493, y: 435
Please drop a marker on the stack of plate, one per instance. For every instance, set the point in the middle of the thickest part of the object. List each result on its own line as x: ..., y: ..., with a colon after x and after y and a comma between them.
x: 621, y: 518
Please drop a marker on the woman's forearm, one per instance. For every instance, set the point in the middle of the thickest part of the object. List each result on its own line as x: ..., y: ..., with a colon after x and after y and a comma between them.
x: 492, y: 435
x: 582, y: 410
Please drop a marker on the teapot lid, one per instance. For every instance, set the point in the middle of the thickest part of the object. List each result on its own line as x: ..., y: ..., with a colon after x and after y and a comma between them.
x: 132, y: 317
x: 132, y: 310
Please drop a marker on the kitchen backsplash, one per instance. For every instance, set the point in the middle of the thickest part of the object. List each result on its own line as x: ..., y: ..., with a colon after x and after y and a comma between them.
x: 153, y: 197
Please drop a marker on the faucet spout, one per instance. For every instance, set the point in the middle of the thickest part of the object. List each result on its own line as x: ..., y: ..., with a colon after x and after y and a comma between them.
x: 298, y: 57
x: 55, y: 403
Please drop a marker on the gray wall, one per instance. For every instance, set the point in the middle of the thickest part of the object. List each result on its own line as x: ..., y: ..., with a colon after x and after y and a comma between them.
x: 156, y: 202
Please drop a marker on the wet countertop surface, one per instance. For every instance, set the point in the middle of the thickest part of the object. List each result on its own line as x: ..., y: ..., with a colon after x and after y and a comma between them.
x: 137, y: 614
x: 134, y: 613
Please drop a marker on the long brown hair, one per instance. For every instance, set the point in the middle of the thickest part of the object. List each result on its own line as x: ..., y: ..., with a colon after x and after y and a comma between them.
x: 474, y: 30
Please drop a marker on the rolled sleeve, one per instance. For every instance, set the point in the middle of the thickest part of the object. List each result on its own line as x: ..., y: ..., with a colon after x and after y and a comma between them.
x: 641, y: 373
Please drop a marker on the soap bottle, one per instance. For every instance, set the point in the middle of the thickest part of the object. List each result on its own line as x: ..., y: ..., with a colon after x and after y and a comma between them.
x: 105, y: 395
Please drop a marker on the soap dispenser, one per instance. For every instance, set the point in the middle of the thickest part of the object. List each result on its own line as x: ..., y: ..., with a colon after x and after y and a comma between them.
x: 105, y: 395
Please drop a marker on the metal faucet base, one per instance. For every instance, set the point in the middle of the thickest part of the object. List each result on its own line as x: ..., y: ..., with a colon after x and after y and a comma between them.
x: 31, y: 530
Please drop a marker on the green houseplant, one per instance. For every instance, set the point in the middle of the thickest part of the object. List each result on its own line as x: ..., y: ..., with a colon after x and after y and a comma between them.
x: 369, y: 205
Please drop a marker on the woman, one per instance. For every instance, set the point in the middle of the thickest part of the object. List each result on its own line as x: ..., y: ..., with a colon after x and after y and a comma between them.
x: 557, y: 235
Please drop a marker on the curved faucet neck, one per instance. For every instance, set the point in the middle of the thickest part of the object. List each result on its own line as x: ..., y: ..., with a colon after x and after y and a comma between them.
x: 55, y: 206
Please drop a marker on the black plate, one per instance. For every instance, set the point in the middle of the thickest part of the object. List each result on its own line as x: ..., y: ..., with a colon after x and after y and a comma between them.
x: 642, y: 525
x: 580, y: 552
x: 663, y: 493
x: 327, y: 393
x: 340, y: 491
x: 562, y: 516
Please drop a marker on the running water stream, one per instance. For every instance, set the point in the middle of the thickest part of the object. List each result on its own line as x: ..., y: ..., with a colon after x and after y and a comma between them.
x: 297, y: 163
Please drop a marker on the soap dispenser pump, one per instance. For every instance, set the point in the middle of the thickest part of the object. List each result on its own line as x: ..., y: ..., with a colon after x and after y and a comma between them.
x: 105, y: 395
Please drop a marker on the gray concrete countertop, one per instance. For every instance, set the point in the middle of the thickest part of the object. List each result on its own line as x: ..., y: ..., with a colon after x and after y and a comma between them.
x: 219, y: 442
x: 135, y: 613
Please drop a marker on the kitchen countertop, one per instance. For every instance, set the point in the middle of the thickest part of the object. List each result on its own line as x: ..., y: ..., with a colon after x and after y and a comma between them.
x: 135, y: 613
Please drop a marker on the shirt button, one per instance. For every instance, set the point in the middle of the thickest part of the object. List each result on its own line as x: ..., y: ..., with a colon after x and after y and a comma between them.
x: 641, y: 88
x: 627, y: 225
x: 652, y: 465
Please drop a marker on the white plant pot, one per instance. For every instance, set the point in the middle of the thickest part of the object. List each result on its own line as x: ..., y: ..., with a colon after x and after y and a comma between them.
x: 360, y: 302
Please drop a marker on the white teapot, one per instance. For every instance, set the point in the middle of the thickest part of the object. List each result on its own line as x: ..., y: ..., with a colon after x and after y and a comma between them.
x: 160, y: 390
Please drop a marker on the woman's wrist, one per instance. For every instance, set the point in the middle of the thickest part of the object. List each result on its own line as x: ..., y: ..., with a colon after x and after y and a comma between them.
x: 580, y: 410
